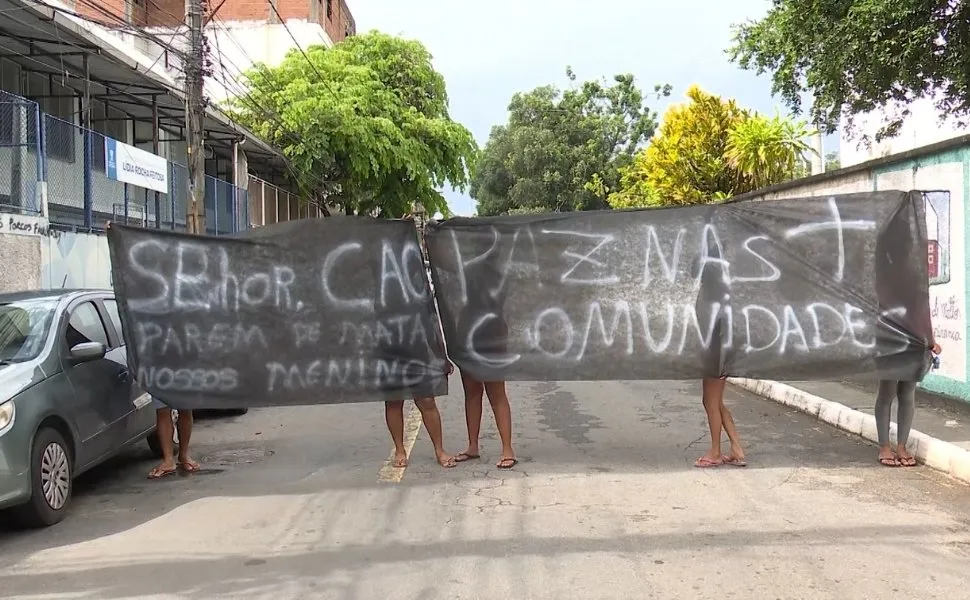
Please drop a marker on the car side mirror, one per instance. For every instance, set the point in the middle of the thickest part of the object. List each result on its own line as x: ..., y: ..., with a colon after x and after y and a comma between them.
x: 87, y: 351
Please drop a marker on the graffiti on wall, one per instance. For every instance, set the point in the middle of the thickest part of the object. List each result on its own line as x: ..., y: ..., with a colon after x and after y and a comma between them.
x: 946, y: 309
x: 937, y: 205
x: 76, y: 260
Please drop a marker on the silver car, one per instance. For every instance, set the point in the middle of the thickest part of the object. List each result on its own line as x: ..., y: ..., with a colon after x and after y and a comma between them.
x: 67, y: 398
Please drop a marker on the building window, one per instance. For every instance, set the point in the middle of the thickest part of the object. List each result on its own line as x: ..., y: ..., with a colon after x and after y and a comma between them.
x: 330, y: 10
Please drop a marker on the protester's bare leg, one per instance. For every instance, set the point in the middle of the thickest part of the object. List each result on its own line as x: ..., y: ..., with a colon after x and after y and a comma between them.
x: 498, y: 398
x: 432, y: 422
x: 394, y: 417
x: 727, y: 420
x: 712, y: 394
x: 474, y: 392
x: 185, y: 421
x: 165, y: 429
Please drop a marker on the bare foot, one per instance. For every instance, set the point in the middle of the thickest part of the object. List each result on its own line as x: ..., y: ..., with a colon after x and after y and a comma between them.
x: 470, y: 453
x: 905, y: 459
x: 447, y: 461
x: 735, y: 458
x: 162, y: 470
x: 400, y: 461
x: 188, y: 465
x: 507, y: 462
x: 887, y: 458
x: 708, y: 461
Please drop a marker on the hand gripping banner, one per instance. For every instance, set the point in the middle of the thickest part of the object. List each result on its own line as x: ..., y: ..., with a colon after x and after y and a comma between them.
x: 314, y: 311
x: 798, y: 289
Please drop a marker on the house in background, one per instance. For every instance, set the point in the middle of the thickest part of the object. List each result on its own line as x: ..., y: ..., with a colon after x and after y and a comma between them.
x: 923, y: 127
x: 240, y: 33
x: 82, y: 111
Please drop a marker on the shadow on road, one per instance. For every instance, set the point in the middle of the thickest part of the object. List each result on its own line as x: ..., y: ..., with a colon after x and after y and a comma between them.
x: 342, y: 448
x: 204, y: 577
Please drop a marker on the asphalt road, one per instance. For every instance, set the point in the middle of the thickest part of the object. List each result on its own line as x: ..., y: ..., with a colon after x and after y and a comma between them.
x: 605, y: 503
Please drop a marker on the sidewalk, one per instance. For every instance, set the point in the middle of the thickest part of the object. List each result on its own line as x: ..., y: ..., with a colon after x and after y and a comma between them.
x: 941, y: 427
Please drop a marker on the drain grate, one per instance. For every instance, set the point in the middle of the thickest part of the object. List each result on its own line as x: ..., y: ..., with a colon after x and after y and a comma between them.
x: 237, y: 456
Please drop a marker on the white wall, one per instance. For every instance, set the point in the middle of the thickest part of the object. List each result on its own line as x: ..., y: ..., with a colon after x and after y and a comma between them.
x: 921, y: 128
x: 234, y: 47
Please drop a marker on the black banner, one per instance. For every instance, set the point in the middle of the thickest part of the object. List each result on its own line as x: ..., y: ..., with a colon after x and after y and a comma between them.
x: 316, y: 311
x: 806, y: 288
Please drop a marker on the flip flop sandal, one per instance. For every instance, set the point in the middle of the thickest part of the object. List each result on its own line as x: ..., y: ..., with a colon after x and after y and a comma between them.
x: 507, y: 463
x: 907, y: 462
x: 889, y: 462
x: 160, y: 473
x: 190, y: 467
x: 706, y: 463
x: 465, y: 457
x: 448, y: 464
x: 733, y: 461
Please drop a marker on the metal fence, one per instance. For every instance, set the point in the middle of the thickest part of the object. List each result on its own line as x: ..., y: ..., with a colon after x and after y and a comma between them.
x: 21, y: 164
x: 270, y: 204
x: 38, y: 150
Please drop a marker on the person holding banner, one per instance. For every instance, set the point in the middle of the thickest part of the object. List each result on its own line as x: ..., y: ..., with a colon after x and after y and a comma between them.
x: 905, y: 394
x: 714, y: 278
x: 165, y: 425
x: 424, y: 397
x: 394, y: 417
x: 492, y: 338
x: 475, y: 391
x: 892, y: 268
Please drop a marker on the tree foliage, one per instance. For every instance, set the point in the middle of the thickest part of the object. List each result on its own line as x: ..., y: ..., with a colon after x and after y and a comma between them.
x: 832, y: 161
x: 710, y: 149
x: 562, y: 150
x: 856, y: 56
x: 365, y: 124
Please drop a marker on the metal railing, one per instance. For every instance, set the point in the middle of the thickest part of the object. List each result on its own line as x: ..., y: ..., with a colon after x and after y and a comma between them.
x: 270, y: 204
x: 42, y: 154
x: 21, y: 158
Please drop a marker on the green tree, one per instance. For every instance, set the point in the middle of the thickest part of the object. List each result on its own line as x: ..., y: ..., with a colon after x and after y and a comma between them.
x: 365, y: 124
x: 856, y: 56
x: 562, y: 150
x: 710, y: 149
x: 766, y: 151
x: 832, y: 161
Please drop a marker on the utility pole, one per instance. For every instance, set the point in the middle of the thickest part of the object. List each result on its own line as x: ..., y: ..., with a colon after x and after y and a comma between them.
x: 194, y: 115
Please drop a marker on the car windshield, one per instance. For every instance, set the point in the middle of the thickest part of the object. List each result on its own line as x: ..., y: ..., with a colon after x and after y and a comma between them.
x: 24, y: 325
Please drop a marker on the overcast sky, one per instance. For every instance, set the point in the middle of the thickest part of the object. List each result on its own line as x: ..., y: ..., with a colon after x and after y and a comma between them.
x: 489, y: 49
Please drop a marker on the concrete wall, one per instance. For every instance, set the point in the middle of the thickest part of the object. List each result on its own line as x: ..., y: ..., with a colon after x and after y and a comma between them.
x: 37, y: 257
x: 75, y: 260
x: 945, y: 175
x: 21, y: 249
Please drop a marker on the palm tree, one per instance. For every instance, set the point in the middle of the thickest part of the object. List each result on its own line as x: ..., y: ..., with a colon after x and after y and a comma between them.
x: 766, y: 150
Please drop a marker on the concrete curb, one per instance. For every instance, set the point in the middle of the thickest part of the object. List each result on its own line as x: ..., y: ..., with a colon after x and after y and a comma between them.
x: 935, y: 453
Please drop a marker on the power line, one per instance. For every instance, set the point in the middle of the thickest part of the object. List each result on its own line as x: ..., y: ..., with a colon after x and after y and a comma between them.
x: 320, y: 76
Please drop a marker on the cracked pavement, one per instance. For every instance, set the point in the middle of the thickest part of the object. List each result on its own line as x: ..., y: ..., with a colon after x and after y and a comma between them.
x: 605, y: 503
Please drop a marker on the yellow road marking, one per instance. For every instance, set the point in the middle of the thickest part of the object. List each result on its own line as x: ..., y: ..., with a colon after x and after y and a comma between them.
x: 412, y: 427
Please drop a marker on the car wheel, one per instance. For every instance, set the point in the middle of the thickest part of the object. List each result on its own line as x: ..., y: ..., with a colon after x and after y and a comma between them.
x: 51, y: 481
x: 155, y: 444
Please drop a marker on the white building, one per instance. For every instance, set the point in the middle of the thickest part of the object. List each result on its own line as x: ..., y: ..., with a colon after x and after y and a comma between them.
x: 921, y: 128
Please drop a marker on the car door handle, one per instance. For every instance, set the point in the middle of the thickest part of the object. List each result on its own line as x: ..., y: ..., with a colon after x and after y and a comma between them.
x: 123, y: 374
